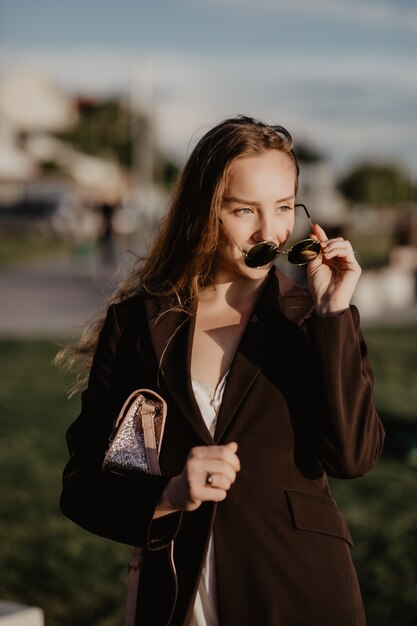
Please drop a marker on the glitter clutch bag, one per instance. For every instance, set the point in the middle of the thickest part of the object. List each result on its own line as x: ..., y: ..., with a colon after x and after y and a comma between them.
x: 134, y: 446
x: 137, y: 434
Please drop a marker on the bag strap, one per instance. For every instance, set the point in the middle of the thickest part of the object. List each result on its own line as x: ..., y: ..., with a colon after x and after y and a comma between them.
x: 147, y: 412
x: 133, y: 585
x: 133, y: 395
x: 123, y: 409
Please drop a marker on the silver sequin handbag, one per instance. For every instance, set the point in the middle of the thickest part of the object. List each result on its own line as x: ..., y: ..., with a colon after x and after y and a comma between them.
x: 137, y: 434
x: 134, y: 446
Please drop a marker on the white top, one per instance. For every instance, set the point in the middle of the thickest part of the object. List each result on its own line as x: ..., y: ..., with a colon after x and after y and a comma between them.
x: 205, y: 607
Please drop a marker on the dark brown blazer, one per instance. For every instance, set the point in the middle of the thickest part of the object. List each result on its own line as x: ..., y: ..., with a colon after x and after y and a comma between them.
x: 299, y: 402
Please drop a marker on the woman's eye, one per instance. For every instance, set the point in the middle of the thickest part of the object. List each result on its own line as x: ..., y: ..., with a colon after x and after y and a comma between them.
x: 243, y: 211
x: 284, y: 208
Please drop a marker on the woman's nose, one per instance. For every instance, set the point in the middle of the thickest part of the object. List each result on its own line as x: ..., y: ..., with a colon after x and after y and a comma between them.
x: 264, y: 231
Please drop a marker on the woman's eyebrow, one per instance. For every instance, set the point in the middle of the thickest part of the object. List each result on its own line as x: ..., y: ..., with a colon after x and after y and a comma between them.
x: 230, y: 199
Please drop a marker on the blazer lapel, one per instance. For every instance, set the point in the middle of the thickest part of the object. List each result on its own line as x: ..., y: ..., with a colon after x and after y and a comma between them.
x: 172, y: 334
x: 280, y: 296
x: 244, y: 370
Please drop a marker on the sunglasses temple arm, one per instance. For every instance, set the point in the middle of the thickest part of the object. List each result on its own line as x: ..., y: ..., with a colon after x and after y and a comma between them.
x: 243, y: 253
x: 307, y: 213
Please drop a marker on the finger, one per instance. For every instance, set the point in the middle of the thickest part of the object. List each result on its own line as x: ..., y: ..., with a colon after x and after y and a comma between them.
x: 233, y: 446
x: 338, y: 241
x: 344, y: 253
x: 221, y: 453
x: 213, y: 495
x: 200, y: 491
x: 198, y: 468
x: 222, y: 468
x: 341, y: 249
x: 319, y: 233
x: 219, y: 481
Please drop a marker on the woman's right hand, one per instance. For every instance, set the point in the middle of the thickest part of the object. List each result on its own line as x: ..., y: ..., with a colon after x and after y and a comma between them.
x: 188, y: 490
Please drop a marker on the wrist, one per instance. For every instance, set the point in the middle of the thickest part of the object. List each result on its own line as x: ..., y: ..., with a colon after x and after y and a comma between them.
x: 326, y: 307
x: 329, y: 312
x: 166, y: 505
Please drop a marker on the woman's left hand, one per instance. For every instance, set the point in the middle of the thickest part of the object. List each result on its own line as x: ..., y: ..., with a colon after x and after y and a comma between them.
x: 333, y: 275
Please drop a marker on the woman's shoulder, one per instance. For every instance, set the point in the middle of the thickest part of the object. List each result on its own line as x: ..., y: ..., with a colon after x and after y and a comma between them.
x: 139, y: 309
x: 127, y: 310
x: 131, y: 307
x: 130, y: 304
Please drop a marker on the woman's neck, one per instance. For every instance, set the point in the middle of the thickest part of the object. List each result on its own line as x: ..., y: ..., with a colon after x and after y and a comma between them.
x: 237, y: 294
x: 223, y: 312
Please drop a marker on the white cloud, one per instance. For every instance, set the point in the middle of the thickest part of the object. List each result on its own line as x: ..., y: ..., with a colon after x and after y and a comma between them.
x: 375, y: 13
x: 349, y: 107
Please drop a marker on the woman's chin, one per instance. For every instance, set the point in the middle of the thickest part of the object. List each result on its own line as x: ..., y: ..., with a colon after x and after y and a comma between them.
x: 252, y: 273
x: 228, y: 270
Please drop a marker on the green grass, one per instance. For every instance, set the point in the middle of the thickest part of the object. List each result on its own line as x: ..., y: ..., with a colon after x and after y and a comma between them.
x: 382, y: 515
x: 79, y: 579
x: 75, y: 577
x: 393, y: 352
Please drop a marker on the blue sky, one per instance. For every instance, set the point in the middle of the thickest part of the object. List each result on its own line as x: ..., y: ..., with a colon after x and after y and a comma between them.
x: 338, y: 73
x: 209, y: 25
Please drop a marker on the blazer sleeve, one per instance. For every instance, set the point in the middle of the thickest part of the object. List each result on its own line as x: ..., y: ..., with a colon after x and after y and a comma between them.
x: 113, y: 506
x: 351, y: 434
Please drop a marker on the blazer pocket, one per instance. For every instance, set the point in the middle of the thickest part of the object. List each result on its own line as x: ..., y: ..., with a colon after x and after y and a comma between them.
x: 318, y: 515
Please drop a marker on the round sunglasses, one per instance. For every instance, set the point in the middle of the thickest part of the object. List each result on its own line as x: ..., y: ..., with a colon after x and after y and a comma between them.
x: 300, y: 253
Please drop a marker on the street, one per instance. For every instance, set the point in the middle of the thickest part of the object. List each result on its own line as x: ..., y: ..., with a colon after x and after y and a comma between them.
x: 49, y: 299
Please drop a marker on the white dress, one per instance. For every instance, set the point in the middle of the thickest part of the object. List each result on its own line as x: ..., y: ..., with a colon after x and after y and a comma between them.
x: 205, y: 606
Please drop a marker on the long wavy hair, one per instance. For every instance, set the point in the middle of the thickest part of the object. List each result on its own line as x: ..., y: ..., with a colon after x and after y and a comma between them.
x: 179, y: 263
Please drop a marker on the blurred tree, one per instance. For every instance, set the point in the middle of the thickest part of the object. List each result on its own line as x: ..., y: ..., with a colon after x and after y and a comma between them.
x: 376, y: 184
x: 106, y: 129
x: 168, y: 174
x: 306, y: 154
x: 50, y: 166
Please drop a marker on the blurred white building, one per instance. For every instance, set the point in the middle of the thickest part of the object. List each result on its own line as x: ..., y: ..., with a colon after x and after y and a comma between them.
x: 32, y: 110
x: 319, y: 193
x: 31, y: 103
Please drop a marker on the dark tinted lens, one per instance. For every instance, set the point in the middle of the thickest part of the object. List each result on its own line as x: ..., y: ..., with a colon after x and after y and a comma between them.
x: 261, y: 254
x: 304, y: 251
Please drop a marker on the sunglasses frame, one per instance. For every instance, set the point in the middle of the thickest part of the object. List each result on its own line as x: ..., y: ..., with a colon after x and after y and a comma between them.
x: 271, y: 250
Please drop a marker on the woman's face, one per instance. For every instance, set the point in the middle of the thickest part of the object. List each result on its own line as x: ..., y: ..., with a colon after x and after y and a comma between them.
x: 258, y: 205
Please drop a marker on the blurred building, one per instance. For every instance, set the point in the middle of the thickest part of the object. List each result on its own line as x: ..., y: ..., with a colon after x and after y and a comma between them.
x: 12, y: 614
x: 38, y: 171
x: 31, y: 103
x: 31, y: 107
x: 318, y: 191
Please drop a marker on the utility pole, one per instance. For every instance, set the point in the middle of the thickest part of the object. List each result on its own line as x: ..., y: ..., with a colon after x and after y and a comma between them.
x: 142, y: 129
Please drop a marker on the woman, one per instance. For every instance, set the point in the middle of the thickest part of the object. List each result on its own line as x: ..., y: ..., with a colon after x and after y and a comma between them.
x: 269, y: 391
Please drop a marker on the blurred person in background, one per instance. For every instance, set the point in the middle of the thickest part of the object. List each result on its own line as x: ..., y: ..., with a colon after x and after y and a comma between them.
x: 269, y: 392
x: 107, y: 208
x: 85, y: 233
